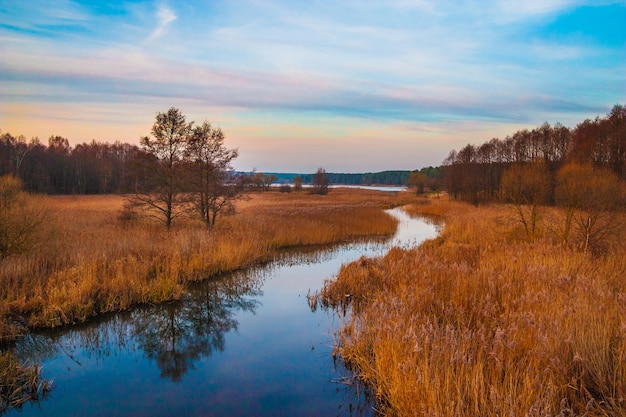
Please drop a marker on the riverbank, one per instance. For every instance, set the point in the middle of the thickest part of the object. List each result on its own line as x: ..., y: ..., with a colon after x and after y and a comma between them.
x: 482, y: 321
x: 248, y: 339
x: 96, y: 261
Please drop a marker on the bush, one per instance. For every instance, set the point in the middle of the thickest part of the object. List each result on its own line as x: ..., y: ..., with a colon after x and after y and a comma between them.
x: 20, y: 218
x: 285, y: 188
x: 592, y: 199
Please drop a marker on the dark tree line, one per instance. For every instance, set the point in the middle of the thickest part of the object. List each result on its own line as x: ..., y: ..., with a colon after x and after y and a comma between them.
x: 183, y: 168
x: 87, y: 168
x: 474, y: 173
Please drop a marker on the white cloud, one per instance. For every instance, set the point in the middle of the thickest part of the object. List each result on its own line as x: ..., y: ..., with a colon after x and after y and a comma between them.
x: 165, y: 16
x: 424, y: 70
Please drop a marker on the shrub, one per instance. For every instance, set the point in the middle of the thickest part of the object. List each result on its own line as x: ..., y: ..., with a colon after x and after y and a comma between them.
x: 20, y: 218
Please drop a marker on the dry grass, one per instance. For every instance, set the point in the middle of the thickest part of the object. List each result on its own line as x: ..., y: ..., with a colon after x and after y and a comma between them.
x: 96, y: 262
x: 480, y: 322
x: 19, y: 383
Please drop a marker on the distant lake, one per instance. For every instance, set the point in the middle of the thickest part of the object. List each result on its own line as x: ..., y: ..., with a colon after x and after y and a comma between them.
x: 241, y: 344
x: 390, y: 188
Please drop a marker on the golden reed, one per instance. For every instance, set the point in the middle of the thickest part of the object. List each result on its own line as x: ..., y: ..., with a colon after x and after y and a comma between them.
x: 482, y: 322
x: 95, y: 261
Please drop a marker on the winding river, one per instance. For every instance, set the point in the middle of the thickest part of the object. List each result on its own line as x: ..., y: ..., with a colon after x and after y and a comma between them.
x: 239, y: 345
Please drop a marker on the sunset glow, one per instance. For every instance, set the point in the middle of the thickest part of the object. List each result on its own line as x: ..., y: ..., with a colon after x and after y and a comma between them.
x: 351, y: 86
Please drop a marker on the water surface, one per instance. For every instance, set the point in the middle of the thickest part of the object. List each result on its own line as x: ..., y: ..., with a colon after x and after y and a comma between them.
x: 238, y: 345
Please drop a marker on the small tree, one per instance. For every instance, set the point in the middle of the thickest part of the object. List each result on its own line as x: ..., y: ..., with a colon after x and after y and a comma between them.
x: 297, y: 183
x: 20, y: 218
x: 285, y: 188
x: 527, y: 186
x: 264, y: 181
x: 162, y: 175
x: 419, y: 181
x: 320, y: 182
x: 591, y: 198
x: 214, y: 187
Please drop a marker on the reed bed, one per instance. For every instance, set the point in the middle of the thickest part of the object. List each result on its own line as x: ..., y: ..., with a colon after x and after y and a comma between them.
x: 480, y: 322
x: 95, y: 261
x: 19, y: 383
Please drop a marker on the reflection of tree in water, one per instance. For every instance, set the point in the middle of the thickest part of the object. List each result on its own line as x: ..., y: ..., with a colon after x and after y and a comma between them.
x: 178, y: 334
x: 175, y: 335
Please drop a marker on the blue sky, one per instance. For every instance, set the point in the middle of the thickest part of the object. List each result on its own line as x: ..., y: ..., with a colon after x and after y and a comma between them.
x: 349, y: 85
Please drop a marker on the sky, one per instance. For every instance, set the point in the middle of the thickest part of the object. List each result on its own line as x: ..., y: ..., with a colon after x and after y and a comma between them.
x: 347, y: 85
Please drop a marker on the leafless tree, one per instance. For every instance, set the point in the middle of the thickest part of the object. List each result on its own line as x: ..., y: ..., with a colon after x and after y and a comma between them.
x: 159, y: 190
x: 527, y: 186
x: 320, y: 182
x: 591, y: 199
x: 214, y: 186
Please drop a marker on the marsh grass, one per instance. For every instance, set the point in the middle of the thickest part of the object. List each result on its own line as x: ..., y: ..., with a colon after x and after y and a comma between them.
x: 99, y: 260
x: 482, y: 322
x: 19, y: 383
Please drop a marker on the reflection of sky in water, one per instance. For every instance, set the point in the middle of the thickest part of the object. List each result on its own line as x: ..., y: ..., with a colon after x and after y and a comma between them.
x: 246, y: 344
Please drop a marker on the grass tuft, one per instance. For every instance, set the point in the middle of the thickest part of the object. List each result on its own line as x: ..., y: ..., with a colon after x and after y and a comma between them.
x: 19, y: 383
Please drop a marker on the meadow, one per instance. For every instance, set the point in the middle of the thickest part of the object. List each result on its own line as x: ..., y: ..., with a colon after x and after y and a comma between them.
x: 94, y: 260
x: 482, y: 321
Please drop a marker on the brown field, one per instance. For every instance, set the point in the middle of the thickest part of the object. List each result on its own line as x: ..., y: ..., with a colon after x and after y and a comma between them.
x: 93, y: 262
x: 483, y: 322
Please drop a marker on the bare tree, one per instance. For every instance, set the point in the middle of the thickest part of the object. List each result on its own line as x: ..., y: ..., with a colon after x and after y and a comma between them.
x: 297, y: 183
x: 419, y: 181
x: 160, y: 188
x: 214, y: 186
x: 320, y: 182
x: 264, y: 181
x: 591, y: 199
x: 527, y: 186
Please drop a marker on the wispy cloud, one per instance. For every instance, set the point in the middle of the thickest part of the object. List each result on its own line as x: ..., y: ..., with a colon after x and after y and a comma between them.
x: 165, y: 16
x: 423, y: 72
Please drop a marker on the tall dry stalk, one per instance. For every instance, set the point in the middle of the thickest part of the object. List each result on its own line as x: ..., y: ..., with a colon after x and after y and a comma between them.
x: 479, y: 323
x: 99, y: 262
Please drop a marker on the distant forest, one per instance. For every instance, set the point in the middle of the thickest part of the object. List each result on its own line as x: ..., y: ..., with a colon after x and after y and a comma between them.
x: 397, y: 178
x: 105, y: 168
x: 473, y: 173
x: 58, y: 168
x: 542, y: 159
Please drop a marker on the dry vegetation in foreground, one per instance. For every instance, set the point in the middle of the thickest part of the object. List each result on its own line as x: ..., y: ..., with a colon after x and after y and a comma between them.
x: 482, y: 322
x: 98, y: 261
x: 19, y: 383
